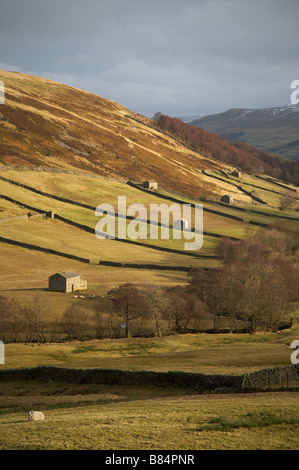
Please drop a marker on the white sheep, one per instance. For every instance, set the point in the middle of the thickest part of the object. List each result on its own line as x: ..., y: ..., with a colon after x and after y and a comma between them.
x: 35, y: 415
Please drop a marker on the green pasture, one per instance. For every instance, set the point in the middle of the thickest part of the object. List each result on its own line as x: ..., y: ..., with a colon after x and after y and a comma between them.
x: 211, y: 223
x: 121, y: 418
x: 94, y: 191
x: 268, y: 191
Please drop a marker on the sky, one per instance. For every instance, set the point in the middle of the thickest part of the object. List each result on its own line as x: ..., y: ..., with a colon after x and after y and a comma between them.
x: 178, y: 57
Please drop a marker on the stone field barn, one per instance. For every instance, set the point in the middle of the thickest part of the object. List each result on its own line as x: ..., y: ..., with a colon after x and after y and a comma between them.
x: 68, y: 281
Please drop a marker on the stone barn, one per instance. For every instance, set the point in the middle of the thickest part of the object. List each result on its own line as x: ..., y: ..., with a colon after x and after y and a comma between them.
x: 150, y: 184
x: 181, y: 224
x: 228, y: 199
x: 68, y: 281
x: 236, y: 173
x: 50, y: 214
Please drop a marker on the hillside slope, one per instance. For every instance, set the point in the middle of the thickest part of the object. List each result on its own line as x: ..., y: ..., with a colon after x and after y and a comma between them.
x: 44, y: 123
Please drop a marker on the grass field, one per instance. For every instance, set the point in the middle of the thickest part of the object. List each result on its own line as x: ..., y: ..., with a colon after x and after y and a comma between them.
x: 24, y: 272
x: 102, y: 417
x: 121, y: 418
x: 202, y: 353
x: 268, y: 191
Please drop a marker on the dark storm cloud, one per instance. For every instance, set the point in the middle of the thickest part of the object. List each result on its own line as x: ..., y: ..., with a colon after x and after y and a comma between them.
x: 177, y: 57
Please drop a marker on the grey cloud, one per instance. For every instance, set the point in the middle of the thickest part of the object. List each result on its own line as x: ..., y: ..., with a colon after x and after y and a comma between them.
x: 196, y: 56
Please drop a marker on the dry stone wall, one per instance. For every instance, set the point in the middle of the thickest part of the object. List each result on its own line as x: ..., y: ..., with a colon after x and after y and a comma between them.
x: 45, y: 250
x: 199, y: 382
x: 278, y: 377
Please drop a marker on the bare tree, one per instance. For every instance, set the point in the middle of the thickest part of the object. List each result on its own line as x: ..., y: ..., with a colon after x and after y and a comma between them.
x: 4, y: 317
x: 186, y: 310
x: 128, y: 303
x: 34, y: 314
x: 157, y: 304
x: 75, y: 322
x: 16, y: 320
x: 256, y: 285
x: 101, y: 316
x: 198, y: 281
x: 287, y: 201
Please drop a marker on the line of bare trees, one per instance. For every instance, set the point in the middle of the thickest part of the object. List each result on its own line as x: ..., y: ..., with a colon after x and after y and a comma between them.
x: 258, y: 282
x: 23, y: 321
x: 127, y: 310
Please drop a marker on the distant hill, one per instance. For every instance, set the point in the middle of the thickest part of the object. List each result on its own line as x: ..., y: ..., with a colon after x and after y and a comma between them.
x: 273, y: 130
x: 188, y: 119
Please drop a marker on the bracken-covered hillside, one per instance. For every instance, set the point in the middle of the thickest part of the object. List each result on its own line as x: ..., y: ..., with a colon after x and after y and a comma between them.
x: 244, y: 156
x: 44, y: 123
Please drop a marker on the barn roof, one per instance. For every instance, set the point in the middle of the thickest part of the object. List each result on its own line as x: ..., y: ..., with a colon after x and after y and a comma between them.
x: 67, y: 274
